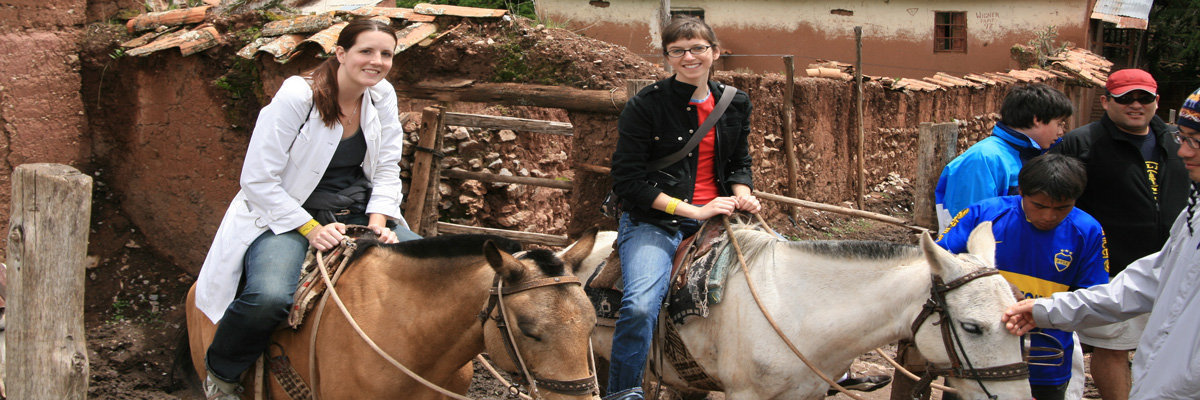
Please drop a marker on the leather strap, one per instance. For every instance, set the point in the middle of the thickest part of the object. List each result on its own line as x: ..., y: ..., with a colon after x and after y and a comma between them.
x: 698, y: 135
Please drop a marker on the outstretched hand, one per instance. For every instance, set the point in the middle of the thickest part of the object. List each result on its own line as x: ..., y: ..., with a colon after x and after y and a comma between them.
x: 1018, y: 318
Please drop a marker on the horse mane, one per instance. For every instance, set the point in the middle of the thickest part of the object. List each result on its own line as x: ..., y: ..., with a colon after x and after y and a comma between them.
x: 754, y: 243
x: 546, y: 261
x: 466, y: 245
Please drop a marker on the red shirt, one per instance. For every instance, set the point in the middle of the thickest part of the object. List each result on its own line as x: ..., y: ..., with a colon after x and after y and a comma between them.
x: 706, y: 178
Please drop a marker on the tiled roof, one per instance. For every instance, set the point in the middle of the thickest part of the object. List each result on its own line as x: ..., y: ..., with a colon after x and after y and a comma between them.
x: 1077, y: 65
x: 283, y: 39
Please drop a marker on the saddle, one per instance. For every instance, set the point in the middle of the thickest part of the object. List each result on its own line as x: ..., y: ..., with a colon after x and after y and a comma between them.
x: 311, y: 285
x: 696, y: 270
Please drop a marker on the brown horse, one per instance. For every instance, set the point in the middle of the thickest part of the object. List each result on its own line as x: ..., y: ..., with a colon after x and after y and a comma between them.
x: 421, y: 302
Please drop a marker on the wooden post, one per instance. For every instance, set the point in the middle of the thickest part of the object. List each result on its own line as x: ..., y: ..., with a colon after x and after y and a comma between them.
x: 862, y: 169
x: 930, y: 162
x: 664, y: 19
x: 789, y: 145
x: 47, y: 245
x: 633, y: 86
x: 424, y: 167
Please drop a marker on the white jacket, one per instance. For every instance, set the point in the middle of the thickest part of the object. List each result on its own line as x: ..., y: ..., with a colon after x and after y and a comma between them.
x: 1165, y: 284
x: 284, y: 162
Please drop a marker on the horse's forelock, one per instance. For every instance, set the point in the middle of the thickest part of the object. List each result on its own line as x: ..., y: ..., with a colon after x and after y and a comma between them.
x: 546, y: 261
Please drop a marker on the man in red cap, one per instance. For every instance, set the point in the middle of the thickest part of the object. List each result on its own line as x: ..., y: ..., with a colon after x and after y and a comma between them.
x: 1137, y: 184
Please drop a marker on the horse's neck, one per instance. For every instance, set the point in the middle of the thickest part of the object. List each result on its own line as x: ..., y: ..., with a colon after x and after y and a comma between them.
x: 875, y: 300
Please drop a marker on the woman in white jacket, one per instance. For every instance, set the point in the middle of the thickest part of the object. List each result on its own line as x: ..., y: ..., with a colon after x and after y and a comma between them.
x: 325, y: 152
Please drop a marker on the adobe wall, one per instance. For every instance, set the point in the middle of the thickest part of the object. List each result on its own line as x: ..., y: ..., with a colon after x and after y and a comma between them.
x: 897, y: 34
x: 41, y: 112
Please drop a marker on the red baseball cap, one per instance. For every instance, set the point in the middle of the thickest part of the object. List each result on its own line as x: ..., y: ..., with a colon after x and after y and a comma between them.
x: 1127, y: 80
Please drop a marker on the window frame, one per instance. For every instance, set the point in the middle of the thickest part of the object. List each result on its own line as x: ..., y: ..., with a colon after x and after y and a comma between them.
x: 951, y: 36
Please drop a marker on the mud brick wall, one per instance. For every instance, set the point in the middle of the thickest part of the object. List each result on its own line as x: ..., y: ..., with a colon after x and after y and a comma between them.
x: 41, y: 112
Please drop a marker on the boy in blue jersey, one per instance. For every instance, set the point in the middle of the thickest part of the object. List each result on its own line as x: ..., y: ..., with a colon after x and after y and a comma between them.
x: 1031, y: 121
x: 1044, y: 245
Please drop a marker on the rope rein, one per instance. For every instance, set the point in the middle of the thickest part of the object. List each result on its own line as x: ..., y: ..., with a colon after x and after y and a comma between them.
x: 354, y: 324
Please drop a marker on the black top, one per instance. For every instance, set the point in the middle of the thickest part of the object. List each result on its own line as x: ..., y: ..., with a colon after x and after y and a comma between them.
x: 1119, y: 192
x: 346, y: 165
x: 657, y: 122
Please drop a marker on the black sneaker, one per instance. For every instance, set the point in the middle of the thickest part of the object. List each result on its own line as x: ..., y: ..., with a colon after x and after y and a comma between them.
x: 865, y: 383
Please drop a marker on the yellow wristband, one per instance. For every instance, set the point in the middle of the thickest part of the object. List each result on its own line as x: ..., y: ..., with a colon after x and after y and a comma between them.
x: 671, y: 206
x: 308, y: 227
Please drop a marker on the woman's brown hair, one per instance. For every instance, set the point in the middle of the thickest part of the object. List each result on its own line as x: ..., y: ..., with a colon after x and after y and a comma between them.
x: 324, y: 77
x: 687, y: 27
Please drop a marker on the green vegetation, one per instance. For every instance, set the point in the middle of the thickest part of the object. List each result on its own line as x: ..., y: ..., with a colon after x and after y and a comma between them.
x: 513, y: 66
x: 1042, y: 47
x: 119, y: 309
x: 1173, y: 44
x: 523, y: 8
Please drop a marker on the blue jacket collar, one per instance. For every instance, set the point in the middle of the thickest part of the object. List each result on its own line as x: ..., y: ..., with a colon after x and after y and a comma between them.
x: 1018, y: 139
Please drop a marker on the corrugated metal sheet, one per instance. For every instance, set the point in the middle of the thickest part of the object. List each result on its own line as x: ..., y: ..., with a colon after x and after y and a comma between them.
x: 458, y: 11
x: 1134, y: 14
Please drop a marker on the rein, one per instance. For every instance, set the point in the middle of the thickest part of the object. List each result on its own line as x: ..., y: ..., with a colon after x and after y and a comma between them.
x: 574, y: 387
x: 936, y: 303
x: 951, y: 341
x: 354, y: 324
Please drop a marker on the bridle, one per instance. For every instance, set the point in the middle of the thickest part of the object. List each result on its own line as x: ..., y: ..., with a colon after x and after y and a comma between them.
x: 574, y: 387
x: 937, y: 304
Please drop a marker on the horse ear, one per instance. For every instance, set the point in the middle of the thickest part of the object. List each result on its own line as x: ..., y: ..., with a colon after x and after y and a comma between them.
x: 505, y: 264
x: 581, y: 249
x: 941, y: 262
x: 982, y: 243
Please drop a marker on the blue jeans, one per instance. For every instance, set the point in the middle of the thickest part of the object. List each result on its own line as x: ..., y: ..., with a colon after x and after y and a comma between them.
x: 270, y: 273
x: 646, y: 252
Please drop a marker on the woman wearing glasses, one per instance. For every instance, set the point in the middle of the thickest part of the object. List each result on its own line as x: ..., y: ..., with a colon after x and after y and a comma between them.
x: 659, y: 208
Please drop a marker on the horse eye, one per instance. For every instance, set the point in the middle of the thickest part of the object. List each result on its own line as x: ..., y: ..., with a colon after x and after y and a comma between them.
x: 525, y: 329
x: 971, y: 328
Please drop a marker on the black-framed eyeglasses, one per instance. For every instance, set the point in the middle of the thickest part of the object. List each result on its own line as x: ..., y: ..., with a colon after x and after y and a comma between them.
x: 1137, y: 95
x: 1181, y: 139
x: 695, y: 50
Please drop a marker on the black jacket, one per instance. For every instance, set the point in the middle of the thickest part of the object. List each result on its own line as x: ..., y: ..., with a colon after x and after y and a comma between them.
x: 659, y: 121
x: 1118, y: 191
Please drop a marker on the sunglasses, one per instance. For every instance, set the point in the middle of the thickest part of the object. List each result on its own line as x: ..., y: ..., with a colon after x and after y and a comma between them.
x: 1129, y: 98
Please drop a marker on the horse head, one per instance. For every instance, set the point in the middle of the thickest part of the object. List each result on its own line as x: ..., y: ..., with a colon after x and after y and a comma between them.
x: 539, y: 320
x: 959, y: 330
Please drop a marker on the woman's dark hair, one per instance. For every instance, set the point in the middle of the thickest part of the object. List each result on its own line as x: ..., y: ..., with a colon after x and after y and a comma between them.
x: 1055, y: 175
x: 324, y: 77
x: 1037, y: 101
x: 687, y: 27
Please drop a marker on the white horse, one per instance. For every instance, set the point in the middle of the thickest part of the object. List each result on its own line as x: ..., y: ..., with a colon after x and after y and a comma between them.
x: 837, y: 300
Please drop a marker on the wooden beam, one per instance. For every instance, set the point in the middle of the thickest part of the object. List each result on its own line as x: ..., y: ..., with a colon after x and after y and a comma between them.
x: 517, y: 94
x: 515, y: 124
x: 47, y: 247
x: 526, y: 237
x: 599, y: 169
x: 835, y: 209
x: 493, y: 178
x: 423, y: 174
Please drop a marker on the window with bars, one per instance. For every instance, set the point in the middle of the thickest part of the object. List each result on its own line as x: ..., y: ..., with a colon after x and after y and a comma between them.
x: 950, y: 31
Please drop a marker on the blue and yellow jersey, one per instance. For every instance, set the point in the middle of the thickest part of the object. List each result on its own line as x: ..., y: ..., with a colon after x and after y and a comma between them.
x: 1039, y: 263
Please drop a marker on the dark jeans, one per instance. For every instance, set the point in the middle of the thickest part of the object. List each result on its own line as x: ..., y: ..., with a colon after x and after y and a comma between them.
x: 1047, y: 392
x: 270, y: 273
